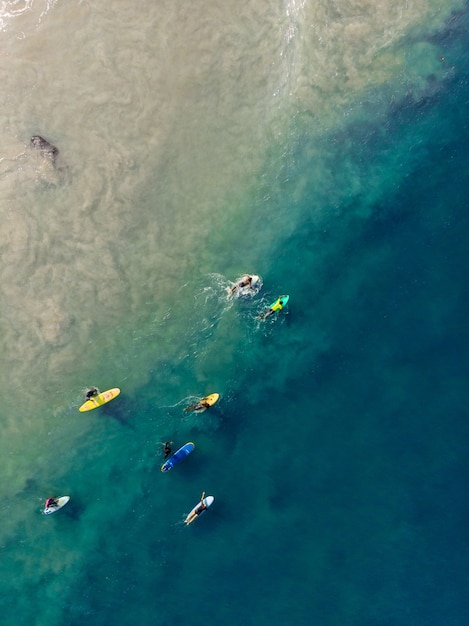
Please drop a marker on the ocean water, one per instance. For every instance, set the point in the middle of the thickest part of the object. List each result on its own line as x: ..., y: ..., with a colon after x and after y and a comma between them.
x: 322, y: 146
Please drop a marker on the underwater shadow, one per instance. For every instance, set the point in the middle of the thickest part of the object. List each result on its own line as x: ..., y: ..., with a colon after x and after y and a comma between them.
x: 120, y: 412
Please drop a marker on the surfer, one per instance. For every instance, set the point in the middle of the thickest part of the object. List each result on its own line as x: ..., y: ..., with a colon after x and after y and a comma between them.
x: 167, y: 449
x: 203, y: 404
x: 91, y: 393
x: 245, y: 281
x: 197, y: 511
x: 276, y: 306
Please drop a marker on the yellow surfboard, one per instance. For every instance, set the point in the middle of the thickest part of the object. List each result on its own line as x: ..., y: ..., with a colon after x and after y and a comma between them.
x: 100, y: 399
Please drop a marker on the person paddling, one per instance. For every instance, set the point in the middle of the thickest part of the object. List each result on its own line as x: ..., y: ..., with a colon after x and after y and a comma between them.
x: 276, y: 306
x: 245, y: 281
x: 202, y: 404
x: 197, y: 511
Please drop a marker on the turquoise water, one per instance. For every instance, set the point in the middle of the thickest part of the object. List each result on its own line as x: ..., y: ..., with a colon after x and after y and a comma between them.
x: 337, y: 453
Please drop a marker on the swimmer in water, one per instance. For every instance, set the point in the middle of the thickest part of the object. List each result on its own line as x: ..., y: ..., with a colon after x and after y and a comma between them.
x: 167, y: 449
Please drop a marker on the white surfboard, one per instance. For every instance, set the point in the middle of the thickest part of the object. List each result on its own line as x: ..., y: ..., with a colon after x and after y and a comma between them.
x: 61, y: 502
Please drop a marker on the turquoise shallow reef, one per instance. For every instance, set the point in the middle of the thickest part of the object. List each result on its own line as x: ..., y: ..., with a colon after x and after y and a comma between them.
x: 323, y: 148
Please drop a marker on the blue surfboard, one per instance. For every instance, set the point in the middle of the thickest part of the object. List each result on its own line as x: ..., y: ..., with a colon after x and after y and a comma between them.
x: 178, y: 456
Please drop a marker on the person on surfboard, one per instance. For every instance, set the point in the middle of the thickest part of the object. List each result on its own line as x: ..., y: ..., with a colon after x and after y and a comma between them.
x: 198, y: 510
x: 202, y: 404
x: 276, y: 306
x: 91, y: 393
x: 245, y: 281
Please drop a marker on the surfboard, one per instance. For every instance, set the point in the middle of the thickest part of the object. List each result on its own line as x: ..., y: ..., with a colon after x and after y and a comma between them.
x: 210, y: 399
x: 199, y: 509
x: 62, y: 501
x: 178, y: 456
x: 100, y: 399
